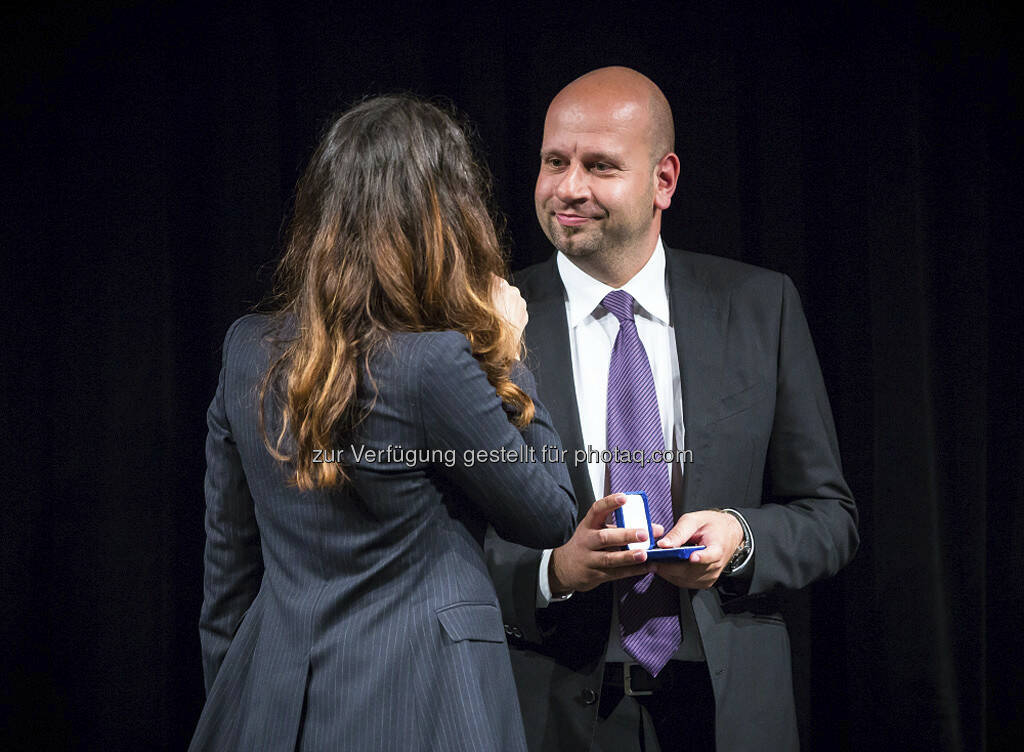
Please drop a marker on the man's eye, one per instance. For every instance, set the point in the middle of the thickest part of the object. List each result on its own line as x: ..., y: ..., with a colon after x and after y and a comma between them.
x: 602, y: 167
x: 554, y: 162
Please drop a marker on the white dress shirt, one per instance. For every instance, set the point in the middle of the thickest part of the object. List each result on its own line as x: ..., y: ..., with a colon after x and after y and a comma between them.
x: 592, y: 332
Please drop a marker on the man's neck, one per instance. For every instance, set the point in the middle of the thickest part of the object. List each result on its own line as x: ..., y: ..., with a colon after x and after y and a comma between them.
x: 617, y: 267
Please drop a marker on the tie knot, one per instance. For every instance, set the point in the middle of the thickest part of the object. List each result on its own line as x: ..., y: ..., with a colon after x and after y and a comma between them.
x: 620, y: 304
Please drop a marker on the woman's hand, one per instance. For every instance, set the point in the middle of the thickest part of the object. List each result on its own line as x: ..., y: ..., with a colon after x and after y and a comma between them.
x: 510, y: 305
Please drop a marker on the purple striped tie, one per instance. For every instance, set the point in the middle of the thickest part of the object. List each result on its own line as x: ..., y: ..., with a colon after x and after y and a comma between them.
x: 648, y: 605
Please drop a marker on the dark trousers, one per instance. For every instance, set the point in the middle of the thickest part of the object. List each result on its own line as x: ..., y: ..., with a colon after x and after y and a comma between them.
x: 678, y: 715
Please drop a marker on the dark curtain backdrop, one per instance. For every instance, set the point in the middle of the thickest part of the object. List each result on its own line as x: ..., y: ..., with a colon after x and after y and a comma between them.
x: 872, y: 152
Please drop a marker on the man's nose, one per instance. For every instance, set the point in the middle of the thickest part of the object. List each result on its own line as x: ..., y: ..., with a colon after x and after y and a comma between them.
x: 573, y: 187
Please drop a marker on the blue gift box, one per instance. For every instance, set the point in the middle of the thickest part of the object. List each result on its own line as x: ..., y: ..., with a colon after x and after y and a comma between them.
x: 636, y: 513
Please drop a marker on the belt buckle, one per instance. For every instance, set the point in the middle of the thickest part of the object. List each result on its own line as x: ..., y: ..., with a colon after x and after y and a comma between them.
x: 627, y: 683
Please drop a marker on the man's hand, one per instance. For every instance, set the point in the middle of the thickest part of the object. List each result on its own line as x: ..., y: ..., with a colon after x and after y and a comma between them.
x: 720, y: 532
x: 592, y: 555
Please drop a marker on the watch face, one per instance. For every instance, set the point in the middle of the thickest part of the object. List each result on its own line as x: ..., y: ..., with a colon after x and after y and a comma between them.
x: 741, y: 551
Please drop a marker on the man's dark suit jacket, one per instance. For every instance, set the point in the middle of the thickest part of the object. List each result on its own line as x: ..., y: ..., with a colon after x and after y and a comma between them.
x: 760, y: 428
x: 365, y: 619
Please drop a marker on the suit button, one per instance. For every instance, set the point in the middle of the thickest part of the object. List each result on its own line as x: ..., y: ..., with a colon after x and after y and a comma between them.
x: 589, y: 696
x: 517, y: 633
x: 508, y: 629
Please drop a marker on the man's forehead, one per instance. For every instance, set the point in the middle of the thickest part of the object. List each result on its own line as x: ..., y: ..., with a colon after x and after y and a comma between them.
x: 609, y: 122
x: 616, y: 112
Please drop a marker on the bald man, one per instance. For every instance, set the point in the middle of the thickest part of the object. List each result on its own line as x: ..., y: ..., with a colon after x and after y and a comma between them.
x: 755, y: 475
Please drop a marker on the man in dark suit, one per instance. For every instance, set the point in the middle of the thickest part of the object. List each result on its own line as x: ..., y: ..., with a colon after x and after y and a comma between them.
x: 739, y: 394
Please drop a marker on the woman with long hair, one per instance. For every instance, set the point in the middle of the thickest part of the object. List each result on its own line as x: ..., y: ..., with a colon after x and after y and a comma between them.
x: 362, y: 439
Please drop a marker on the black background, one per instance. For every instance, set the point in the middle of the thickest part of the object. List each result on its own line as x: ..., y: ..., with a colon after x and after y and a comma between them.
x: 872, y: 152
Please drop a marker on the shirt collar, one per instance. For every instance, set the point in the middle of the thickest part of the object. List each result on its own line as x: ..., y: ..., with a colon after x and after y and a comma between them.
x: 647, y: 287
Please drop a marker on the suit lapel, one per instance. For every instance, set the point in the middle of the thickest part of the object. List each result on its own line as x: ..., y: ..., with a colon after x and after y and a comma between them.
x: 550, y: 358
x: 698, y: 319
x: 699, y: 323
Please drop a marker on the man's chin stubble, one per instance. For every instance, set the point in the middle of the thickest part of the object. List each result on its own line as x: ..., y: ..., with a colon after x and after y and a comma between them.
x: 569, y: 242
x: 575, y: 249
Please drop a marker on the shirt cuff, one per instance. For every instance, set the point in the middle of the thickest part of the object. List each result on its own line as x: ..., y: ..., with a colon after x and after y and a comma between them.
x: 749, y: 535
x: 544, y: 596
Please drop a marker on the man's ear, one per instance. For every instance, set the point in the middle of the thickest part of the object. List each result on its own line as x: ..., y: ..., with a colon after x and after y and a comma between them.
x: 666, y: 176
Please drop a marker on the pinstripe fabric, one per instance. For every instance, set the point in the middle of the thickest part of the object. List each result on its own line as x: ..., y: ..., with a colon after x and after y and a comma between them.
x: 364, y: 619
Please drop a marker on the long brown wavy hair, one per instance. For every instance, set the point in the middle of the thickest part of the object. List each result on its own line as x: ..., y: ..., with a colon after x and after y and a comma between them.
x: 390, y: 233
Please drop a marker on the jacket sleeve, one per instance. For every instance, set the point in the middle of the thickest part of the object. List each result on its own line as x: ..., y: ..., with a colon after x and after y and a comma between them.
x: 233, y: 562
x: 807, y: 528
x: 529, y: 502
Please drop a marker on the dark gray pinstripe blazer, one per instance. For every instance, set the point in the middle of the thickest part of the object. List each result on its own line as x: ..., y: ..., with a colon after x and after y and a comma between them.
x: 365, y: 618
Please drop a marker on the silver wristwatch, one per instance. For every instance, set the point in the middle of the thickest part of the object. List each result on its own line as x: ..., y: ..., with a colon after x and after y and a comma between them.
x: 741, y: 556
